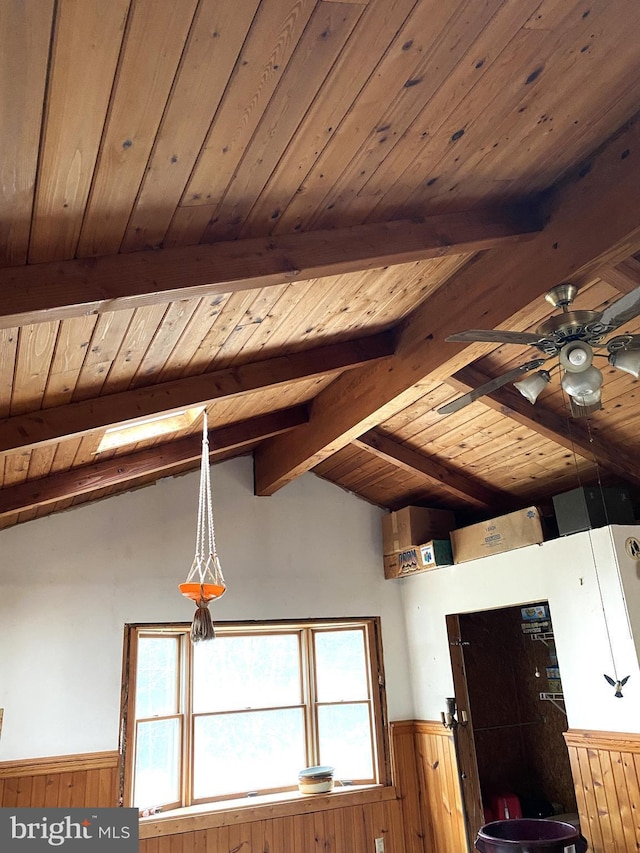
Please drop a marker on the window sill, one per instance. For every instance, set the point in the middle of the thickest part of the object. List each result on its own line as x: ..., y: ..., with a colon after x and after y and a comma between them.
x: 266, y: 807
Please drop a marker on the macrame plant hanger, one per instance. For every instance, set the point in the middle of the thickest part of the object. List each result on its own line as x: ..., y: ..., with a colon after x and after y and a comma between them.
x: 204, y: 582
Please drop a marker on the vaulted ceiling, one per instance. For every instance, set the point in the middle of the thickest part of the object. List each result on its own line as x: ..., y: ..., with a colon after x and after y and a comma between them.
x: 279, y: 210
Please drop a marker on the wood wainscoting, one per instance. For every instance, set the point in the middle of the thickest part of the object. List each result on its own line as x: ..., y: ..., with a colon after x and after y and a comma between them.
x: 605, y: 768
x: 425, y: 770
x: 421, y: 814
x: 344, y: 822
x: 65, y: 781
x: 606, y: 774
x: 341, y: 822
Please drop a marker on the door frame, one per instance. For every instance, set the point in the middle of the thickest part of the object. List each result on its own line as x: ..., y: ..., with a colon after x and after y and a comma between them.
x: 463, y: 736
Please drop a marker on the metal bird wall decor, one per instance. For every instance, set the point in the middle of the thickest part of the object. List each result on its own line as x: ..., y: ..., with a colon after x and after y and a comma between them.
x: 618, y: 685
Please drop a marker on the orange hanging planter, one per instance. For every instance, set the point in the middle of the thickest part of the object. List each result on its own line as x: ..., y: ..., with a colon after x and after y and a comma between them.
x: 204, y: 592
x: 205, y: 581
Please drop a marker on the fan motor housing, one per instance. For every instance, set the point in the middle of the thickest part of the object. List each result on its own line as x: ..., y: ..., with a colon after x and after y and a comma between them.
x: 570, y: 326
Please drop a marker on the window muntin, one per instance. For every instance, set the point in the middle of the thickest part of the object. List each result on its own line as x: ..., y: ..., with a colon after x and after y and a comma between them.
x: 244, y: 713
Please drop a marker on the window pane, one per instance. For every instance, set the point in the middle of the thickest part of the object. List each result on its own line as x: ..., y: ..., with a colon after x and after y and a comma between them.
x: 238, y: 753
x: 157, y: 677
x: 234, y: 673
x: 345, y: 740
x: 341, y: 669
x: 157, y: 763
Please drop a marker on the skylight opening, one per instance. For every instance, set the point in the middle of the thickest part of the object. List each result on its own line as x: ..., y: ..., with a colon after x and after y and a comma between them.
x: 143, y: 430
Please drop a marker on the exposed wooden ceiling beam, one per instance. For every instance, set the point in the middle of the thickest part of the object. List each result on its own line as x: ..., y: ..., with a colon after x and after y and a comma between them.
x: 594, y: 220
x: 575, y: 438
x: 625, y: 276
x: 22, y: 432
x: 56, y: 291
x: 461, y: 486
x: 154, y: 460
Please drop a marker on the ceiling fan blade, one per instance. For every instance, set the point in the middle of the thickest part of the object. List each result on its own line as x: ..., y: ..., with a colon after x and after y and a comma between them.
x: 622, y: 310
x: 488, y: 387
x: 622, y: 342
x: 494, y: 336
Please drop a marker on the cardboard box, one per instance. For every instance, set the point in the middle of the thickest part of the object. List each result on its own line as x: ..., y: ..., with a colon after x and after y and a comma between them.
x: 534, y: 611
x: 592, y: 506
x: 419, y: 558
x: 497, y: 535
x: 414, y: 524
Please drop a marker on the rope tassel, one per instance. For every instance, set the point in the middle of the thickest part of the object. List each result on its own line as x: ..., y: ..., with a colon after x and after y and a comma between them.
x: 202, y: 625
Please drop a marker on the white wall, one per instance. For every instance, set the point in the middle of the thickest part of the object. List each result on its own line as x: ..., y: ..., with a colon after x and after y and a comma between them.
x: 563, y: 571
x: 69, y: 583
x: 629, y: 575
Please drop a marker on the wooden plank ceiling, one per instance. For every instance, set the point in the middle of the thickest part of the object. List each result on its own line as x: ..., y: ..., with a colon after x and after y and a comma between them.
x: 279, y: 209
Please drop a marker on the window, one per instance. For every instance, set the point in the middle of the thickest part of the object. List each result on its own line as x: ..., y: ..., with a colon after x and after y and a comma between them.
x: 134, y: 431
x: 242, y: 715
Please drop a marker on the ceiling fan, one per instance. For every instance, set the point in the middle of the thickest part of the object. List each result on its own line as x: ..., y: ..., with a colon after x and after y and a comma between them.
x: 572, y: 336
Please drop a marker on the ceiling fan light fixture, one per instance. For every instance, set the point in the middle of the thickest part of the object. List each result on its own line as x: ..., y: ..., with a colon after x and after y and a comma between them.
x: 532, y: 386
x: 576, y: 357
x: 591, y: 398
x: 584, y: 385
x: 627, y: 360
x: 586, y: 405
